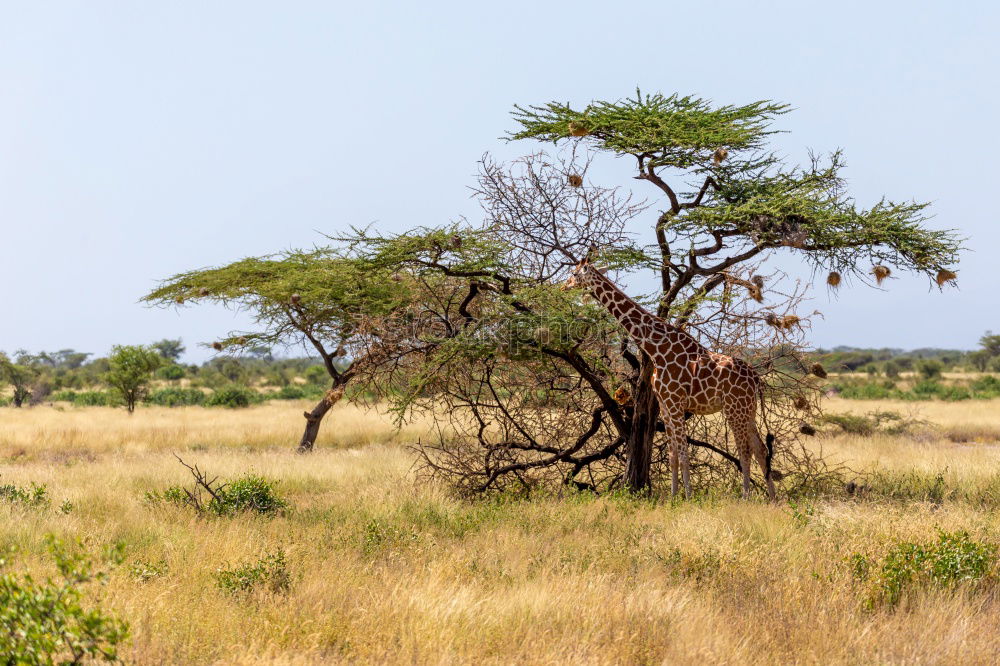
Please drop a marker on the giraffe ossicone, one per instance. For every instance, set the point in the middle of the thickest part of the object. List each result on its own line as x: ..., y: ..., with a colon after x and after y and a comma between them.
x: 687, y: 377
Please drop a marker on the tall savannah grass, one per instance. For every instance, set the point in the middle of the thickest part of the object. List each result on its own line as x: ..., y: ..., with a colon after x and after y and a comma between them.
x: 382, y: 569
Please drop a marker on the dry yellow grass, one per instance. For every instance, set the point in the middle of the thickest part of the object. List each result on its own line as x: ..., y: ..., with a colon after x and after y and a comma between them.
x: 71, y: 431
x: 388, y: 570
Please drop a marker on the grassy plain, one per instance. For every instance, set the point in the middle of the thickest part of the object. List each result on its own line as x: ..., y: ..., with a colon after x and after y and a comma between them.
x: 387, y: 570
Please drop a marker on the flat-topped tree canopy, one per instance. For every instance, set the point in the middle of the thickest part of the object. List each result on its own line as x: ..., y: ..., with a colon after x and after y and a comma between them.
x: 335, y: 303
x: 674, y: 131
x: 319, y: 296
x: 743, y: 200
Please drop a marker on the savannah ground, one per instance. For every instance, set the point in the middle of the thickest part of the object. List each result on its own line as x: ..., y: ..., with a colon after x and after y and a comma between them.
x: 387, y: 569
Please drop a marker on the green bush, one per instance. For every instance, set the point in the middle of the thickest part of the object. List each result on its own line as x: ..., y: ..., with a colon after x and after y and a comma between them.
x: 233, y: 396
x: 269, y: 572
x: 35, y: 496
x: 852, y: 423
x: 176, y: 397
x: 954, y: 558
x: 93, y: 399
x: 144, y: 571
x: 954, y: 393
x: 290, y: 393
x: 247, y: 494
x: 317, y: 374
x: 986, y: 386
x: 46, y: 622
x: 250, y: 493
x: 866, y: 391
x: 927, y: 389
x: 930, y: 368
x: 171, y: 372
x: 888, y: 422
x: 63, y: 396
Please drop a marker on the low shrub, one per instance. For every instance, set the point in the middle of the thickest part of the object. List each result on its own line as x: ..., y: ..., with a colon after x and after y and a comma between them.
x: 46, y: 622
x: 955, y: 393
x: 887, y: 422
x: 954, y: 558
x: 144, y: 571
x: 176, y: 397
x: 94, y: 399
x: 233, y: 396
x: 927, y: 388
x: 289, y: 393
x: 986, y: 386
x: 866, y: 391
x: 171, y: 372
x: 63, y: 396
x: 32, y: 497
x: 248, y: 494
x: 270, y: 573
x: 930, y: 368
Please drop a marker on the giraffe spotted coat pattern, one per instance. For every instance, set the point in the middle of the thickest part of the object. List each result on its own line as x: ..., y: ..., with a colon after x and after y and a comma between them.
x: 687, y: 377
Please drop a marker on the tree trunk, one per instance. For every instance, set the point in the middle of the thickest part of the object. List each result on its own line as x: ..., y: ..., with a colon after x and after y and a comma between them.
x: 315, y: 417
x: 639, y: 445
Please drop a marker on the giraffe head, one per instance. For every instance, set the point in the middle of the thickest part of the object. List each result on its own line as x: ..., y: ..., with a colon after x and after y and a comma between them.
x: 578, y: 276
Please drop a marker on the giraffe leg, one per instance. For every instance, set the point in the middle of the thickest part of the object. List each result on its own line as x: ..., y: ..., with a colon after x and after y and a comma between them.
x: 673, y: 425
x: 741, y: 434
x: 745, y: 467
x: 760, y: 452
x: 682, y: 444
x: 672, y: 447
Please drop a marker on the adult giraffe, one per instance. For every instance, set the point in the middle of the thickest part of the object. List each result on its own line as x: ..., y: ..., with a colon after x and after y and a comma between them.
x: 686, y: 378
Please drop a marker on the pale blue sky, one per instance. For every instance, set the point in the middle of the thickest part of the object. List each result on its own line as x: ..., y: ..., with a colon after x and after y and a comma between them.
x: 140, y: 139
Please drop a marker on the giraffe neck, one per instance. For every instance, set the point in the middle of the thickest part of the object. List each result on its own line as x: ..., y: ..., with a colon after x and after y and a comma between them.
x: 646, y: 329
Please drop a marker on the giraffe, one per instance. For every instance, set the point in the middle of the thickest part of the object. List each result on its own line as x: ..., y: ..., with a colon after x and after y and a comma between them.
x: 687, y: 378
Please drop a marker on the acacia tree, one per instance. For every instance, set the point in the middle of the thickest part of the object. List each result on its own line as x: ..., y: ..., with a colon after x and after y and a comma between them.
x: 336, y: 305
x: 528, y: 383
x: 728, y: 201
x: 171, y: 350
x: 728, y: 206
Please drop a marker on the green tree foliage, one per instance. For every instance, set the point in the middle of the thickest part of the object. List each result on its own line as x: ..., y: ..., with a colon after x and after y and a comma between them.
x: 171, y: 350
x: 729, y: 203
x: 49, y: 622
x: 726, y: 205
x: 320, y: 299
x: 748, y: 201
x: 988, y: 355
x: 930, y: 368
x: 19, y: 376
x: 990, y: 343
x: 131, y: 368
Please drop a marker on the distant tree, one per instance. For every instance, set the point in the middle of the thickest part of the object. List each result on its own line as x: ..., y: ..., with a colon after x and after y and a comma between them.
x: 930, y: 368
x: 132, y: 367
x: 260, y: 352
x: 990, y: 343
x: 169, y: 349
x: 891, y: 369
x: 980, y: 359
x: 337, y: 305
x: 19, y: 376
x: 65, y: 359
x: 171, y: 372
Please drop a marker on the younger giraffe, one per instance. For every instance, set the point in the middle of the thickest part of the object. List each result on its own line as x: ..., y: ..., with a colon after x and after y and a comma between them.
x: 686, y: 378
